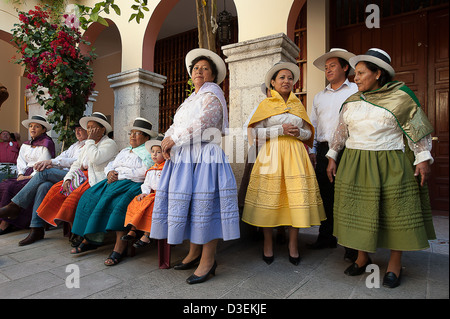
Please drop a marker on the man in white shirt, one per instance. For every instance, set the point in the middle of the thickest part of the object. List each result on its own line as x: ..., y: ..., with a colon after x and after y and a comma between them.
x: 48, y: 173
x: 324, y: 117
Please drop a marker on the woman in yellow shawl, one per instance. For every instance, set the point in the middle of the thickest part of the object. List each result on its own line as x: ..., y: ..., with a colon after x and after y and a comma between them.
x: 283, y: 189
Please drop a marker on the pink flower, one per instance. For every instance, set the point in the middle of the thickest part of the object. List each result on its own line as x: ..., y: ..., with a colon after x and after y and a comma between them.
x: 72, y: 21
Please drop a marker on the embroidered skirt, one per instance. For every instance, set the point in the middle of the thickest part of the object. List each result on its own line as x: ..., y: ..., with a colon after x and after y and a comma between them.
x: 283, y: 190
x: 103, y: 207
x: 57, y: 207
x: 197, y: 197
x: 378, y: 203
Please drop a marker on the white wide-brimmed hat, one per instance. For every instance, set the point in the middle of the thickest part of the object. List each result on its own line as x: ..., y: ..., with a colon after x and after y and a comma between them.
x: 143, y: 125
x: 96, y: 117
x: 334, y: 53
x: 37, y: 119
x: 377, y: 57
x: 157, y: 141
x: 282, y: 66
x: 218, y: 61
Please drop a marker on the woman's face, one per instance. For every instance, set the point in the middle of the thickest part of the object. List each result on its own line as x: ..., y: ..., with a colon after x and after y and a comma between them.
x: 36, y: 129
x: 137, y: 138
x: 366, y: 79
x: 157, y: 155
x: 201, y: 73
x: 80, y: 133
x: 284, y: 82
x: 94, y: 125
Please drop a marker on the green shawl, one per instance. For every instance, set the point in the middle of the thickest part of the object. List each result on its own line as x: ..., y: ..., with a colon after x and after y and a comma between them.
x: 401, y: 102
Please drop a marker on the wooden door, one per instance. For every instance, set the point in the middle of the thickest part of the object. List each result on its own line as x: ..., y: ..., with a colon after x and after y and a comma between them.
x: 438, y: 87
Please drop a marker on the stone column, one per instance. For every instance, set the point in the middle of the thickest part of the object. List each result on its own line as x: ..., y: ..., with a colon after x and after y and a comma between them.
x: 136, y: 94
x: 248, y: 63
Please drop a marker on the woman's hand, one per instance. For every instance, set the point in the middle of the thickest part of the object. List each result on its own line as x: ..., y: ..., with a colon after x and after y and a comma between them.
x: 166, y: 146
x: 21, y: 177
x: 140, y: 197
x: 40, y: 166
x: 95, y: 134
x: 112, y: 176
x: 65, y: 187
x: 292, y: 130
x: 331, y: 169
x: 423, y: 169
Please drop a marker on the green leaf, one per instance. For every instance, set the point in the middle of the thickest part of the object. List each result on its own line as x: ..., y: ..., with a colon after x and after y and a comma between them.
x: 116, y: 9
x: 102, y: 21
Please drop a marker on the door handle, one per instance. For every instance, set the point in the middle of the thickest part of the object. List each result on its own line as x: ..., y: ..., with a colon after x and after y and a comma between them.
x: 435, y: 138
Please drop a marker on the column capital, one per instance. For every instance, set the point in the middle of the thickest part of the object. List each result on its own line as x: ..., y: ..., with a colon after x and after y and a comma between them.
x: 137, y: 76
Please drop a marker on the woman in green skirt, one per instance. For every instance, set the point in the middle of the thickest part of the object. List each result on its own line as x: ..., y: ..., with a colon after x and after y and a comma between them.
x: 381, y: 199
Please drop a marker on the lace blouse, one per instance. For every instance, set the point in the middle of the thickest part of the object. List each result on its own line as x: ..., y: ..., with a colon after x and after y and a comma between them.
x: 364, y: 126
x: 201, y: 116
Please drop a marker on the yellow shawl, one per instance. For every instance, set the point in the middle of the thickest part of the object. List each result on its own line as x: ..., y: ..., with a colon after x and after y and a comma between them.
x: 276, y: 105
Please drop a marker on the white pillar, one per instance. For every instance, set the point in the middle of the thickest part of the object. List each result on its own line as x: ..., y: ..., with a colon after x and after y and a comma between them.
x: 136, y: 94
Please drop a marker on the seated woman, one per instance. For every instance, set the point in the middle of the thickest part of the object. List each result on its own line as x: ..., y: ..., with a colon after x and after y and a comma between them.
x: 9, y: 151
x: 61, y: 201
x: 103, y: 207
x: 39, y: 148
x: 139, y: 212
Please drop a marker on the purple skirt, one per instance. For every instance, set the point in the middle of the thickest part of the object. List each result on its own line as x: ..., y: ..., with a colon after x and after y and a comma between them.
x: 8, y: 189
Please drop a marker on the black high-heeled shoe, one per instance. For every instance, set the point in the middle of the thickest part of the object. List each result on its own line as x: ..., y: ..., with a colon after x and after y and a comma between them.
x: 294, y: 260
x: 188, y: 265
x: 268, y: 260
x: 193, y: 279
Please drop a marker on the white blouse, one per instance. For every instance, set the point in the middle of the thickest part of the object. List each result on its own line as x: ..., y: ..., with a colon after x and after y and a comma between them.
x: 364, y: 126
x: 128, y: 165
x: 273, y: 126
x: 69, y: 156
x: 28, y: 156
x: 200, y: 117
x: 151, y: 181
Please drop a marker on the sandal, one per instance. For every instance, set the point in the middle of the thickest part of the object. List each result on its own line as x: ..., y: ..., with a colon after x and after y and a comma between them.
x: 129, y: 237
x: 141, y: 244
x: 115, y: 257
x: 83, y: 247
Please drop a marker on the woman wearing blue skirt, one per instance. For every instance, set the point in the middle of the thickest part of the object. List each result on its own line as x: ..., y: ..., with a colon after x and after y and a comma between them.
x: 197, y: 195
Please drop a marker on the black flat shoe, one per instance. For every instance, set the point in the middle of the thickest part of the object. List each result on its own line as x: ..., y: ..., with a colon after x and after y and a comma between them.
x: 188, y: 265
x: 268, y: 260
x: 390, y: 280
x: 197, y: 280
x: 355, y: 270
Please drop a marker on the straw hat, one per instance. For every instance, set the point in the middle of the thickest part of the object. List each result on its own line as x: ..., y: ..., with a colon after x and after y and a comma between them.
x: 150, y: 143
x: 96, y: 117
x: 37, y: 119
x: 143, y: 125
x: 282, y: 66
x: 218, y: 61
x: 334, y: 53
x: 377, y: 57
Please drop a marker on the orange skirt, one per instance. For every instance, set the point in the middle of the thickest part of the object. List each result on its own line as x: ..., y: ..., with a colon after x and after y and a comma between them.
x: 139, y: 214
x: 57, y: 207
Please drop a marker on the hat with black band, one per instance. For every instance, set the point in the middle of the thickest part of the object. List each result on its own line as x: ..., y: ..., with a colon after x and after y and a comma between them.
x: 96, y: 117
x: 377, y: 57
x: 37, y: 119
x: 143, y: 125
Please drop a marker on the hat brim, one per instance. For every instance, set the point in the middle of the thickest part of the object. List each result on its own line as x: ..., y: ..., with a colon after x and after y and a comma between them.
x: 320, y: 61
x: 149, y: 144
x: 218, y: 61
x: 84, y: 121
x: 282, y: 66
x: 377, y: 61
x: 27, y: 122
x: 152, y: 133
